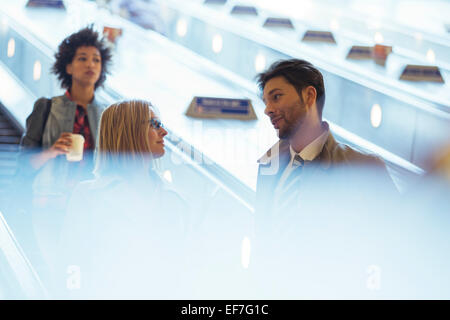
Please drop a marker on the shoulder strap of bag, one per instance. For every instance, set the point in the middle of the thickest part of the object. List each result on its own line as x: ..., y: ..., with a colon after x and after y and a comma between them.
x: 46, y: 113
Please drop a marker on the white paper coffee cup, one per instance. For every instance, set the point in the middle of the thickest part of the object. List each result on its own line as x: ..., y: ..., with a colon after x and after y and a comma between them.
x: 76, y: 150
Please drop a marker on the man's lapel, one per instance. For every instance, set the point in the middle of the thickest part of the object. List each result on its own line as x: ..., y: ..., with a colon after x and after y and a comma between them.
x: 322, y: 163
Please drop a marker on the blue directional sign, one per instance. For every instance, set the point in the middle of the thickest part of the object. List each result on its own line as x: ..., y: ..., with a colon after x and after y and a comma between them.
x: 46, y: 3
x: 207, y: 107
x: 244, y: 10
x: 279, y: 22
x: 421, y: 73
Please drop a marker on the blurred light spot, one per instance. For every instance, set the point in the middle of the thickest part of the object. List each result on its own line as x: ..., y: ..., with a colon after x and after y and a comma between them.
x: 245, y: 252
x: 11, y: 48
x: 334, y: 25
x: 431, y: 57
x: 376, y: 115
x: 181, y: 27
x: 378, y: 37
x: 168, y: 176
x: 418, y: 36
x: 217, y: 43
x: 37, y: 68
x: 260, y: 62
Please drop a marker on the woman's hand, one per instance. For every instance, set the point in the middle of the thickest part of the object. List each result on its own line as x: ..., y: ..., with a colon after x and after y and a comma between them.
x: 61, y: 146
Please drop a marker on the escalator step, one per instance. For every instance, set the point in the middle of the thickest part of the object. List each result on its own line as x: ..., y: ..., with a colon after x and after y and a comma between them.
x: 9, y: 150
x: 5, y: 125
x: 9, y: 139
x: 9, y: 132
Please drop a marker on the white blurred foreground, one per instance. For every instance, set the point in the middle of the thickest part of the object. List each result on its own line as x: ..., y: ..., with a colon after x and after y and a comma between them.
x: 348, y: 237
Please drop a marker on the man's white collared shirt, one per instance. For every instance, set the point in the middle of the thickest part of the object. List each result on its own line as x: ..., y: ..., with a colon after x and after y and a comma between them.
x: 309, y: 153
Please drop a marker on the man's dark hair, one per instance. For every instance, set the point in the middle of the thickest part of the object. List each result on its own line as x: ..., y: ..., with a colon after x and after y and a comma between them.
x: 300, y: 74
x: 66, y: 52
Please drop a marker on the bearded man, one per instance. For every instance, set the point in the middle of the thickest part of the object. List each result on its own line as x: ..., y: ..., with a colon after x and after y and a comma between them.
x: 306, y: 154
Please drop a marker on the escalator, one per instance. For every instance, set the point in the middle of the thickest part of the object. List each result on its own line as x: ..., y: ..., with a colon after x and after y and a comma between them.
x: 10, y: 135
x: 219, y: 183
x: 18, y: 278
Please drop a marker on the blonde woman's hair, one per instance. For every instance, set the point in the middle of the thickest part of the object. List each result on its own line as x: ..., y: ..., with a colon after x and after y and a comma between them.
x: 123, y: 137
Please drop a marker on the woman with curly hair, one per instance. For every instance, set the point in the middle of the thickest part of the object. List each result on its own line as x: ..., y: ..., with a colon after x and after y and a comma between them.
x: 47, y: 177
x: 81, y: 65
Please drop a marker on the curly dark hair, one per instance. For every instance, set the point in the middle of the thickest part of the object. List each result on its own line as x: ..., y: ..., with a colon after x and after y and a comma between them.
x: 67, y: 49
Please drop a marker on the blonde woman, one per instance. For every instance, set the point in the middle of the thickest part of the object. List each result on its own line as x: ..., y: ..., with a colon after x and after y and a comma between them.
x: 124, y: 230
x: 131, y: 135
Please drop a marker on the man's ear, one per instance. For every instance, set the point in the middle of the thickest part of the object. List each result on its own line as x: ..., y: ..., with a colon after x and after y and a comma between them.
x: 69, y: 69
x: 309, y: 96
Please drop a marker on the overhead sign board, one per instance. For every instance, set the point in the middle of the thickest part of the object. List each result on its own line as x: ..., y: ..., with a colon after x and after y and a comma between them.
x: 319, y: 36
x: 248, y: 10
x: 279, y: 23
x: 215, y: 1
x: 207, y: 107
x: 380, y: 53
x: 46, y: 4
x: 422, y: 73
x: 360, y: 52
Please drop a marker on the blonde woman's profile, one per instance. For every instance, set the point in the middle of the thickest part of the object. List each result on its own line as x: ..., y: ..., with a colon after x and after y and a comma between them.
x: 125, y: 228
